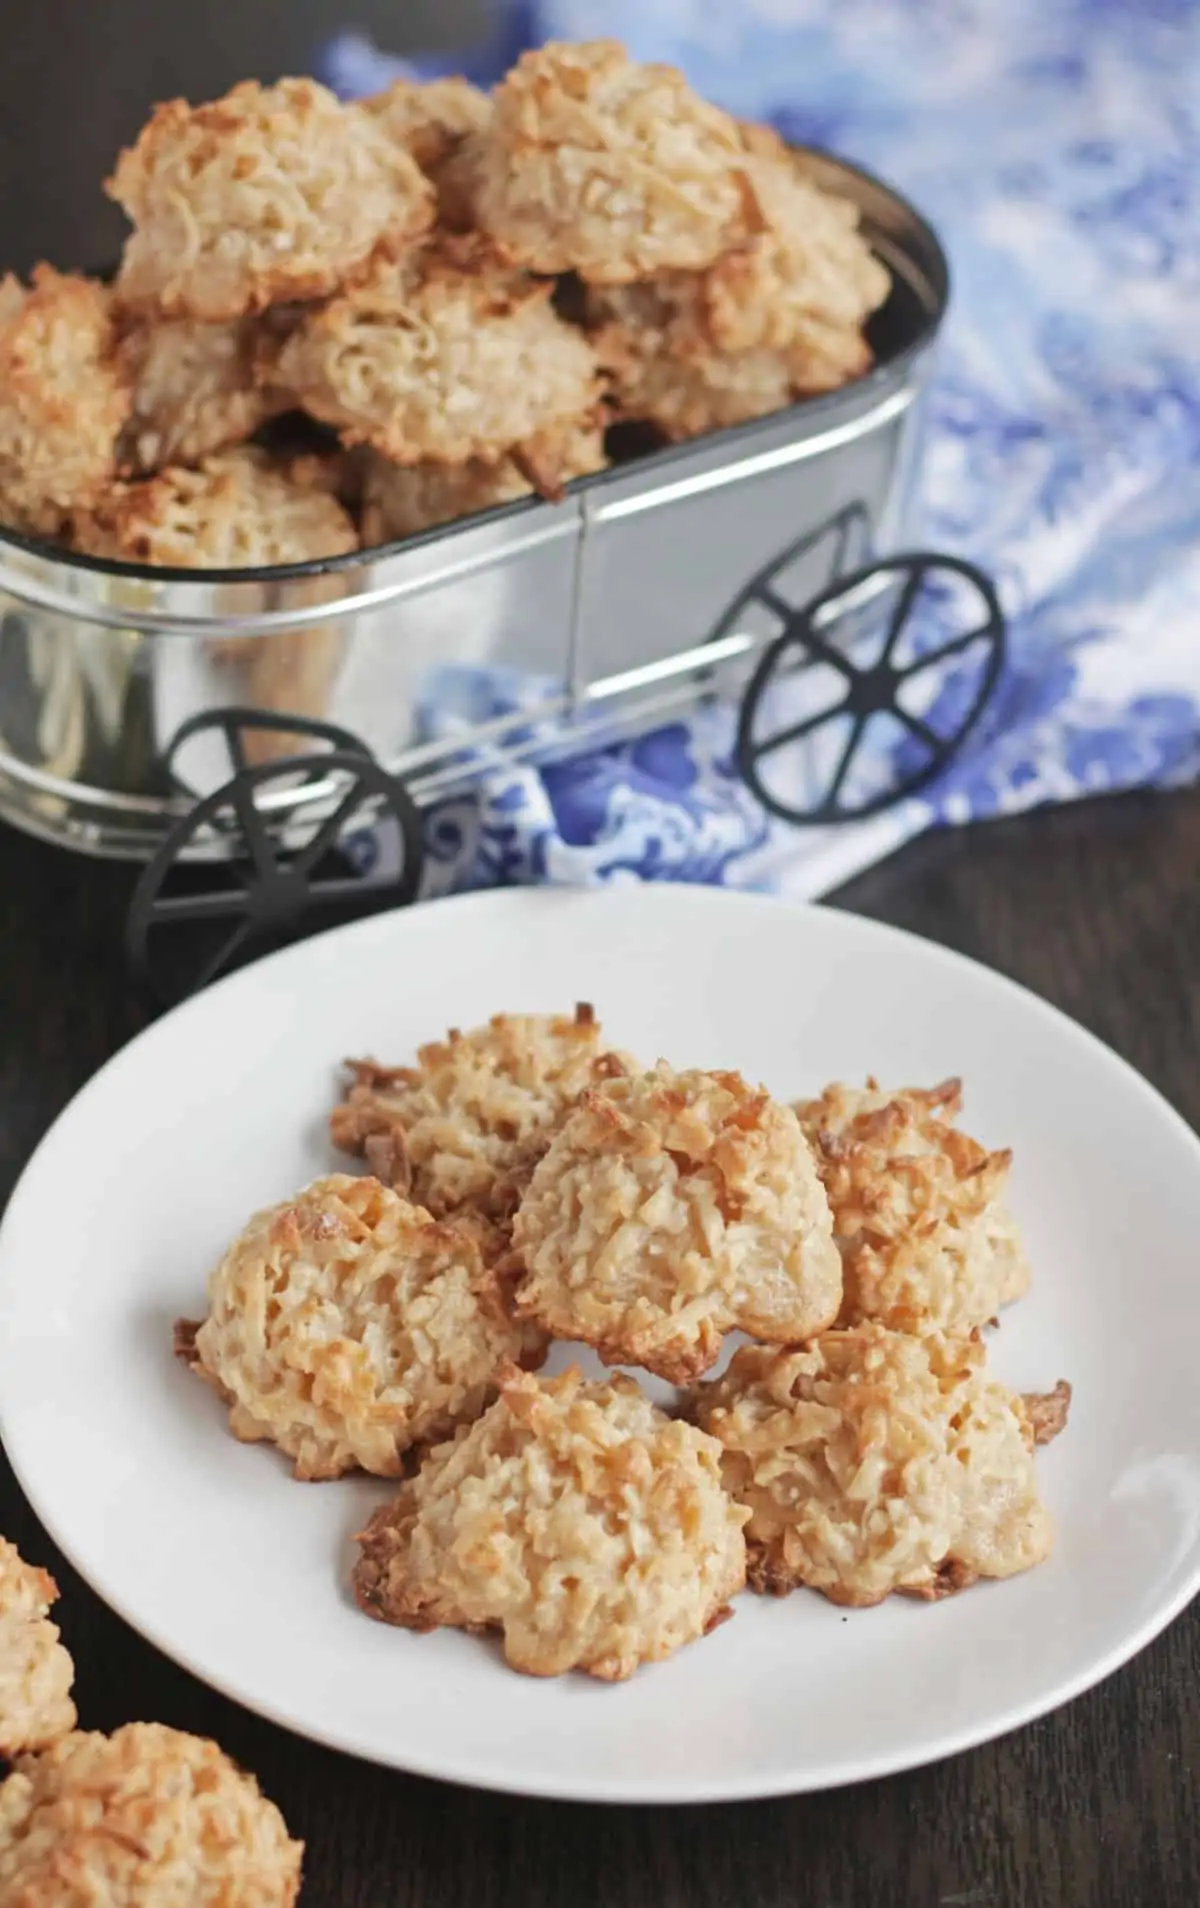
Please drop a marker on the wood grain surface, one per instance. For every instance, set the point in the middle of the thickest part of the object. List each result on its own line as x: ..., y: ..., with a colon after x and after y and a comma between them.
x: 1097, y: 908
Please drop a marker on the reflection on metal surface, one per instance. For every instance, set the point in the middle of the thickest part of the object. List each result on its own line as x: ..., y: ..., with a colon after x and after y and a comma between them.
x: 818, y: 445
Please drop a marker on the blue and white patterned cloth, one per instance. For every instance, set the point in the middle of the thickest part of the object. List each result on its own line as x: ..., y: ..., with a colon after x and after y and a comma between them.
x: 1056, y: 145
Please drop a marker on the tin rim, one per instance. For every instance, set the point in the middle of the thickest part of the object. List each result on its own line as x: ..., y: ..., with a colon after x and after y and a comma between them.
x: 937, y: 275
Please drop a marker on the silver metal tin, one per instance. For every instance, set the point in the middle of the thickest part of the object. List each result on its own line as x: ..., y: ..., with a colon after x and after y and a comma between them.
x: 607, y: 601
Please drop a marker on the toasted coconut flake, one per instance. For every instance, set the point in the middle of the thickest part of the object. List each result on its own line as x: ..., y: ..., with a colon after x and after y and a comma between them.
x: 1047, y: 1412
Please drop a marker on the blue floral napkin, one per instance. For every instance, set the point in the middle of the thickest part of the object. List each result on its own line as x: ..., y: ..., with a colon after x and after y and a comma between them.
x: 1057, y: 148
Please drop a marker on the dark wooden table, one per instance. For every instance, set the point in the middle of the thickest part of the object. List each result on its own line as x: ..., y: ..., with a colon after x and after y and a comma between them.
x: 1095, y: 907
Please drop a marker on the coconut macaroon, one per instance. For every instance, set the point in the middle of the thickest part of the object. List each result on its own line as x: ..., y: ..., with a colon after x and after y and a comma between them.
x: 669, y: 1209
x: 595, y: 164
x: 919, y: 1208
x: 63, y: 398
x: 238, y: 509
x: 803, y: 286
x: 806, y: 283
x: 36, y: 1672
x: 661, y: 371
x: 400, y: 499
x: 346, y: 1325
x: 468, y: 1123
x: 429, y: 117
x: 776, y: 318
x: 587, y: 1526
x: 197, y: 389
x: 270, y: 194
x: 445, y: 355
x: 145, y: 1818
x: 659, y: 377
x: 432, y: 119
x: 871, y: 1462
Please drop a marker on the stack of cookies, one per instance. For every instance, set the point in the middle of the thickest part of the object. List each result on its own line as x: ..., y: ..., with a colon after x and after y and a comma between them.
x: 530, y: 1183
x: 456, y: 292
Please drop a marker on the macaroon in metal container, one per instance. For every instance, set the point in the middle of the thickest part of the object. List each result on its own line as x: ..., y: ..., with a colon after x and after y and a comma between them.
x: 615, y: 607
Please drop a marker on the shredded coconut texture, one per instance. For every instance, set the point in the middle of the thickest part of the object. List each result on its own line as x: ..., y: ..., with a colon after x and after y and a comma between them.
x: 432, y: 120
x: 63, y: 398
x: 776, y: 317
x: 585, y: 1525
x: 806, y: 282
x: 467, y: 1124
x: 683, y: 393
x: 429, y: 117
x: 36, y: 1672
x: 346, y: 1325
x: 595, y: 164
x: 270, y: 194
x: 670, y: 1209
x: 400, y: 500
x: 237, y: 509
x: 871, y: 1461
x: 446, y: 356
x: 197, y: 388
x: 144, y: 1818
x: 920, y: 1209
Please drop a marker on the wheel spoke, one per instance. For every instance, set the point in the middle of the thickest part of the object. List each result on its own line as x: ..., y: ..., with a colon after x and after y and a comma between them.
x: 797, y: 668
x: 777, y: 605
x: 202, y: 907
x: 843, y: 767
x: 846, y: 523
x: 953, y: 648
x: 254, y: 829
x: 212, y: 967
x: 816, y: 646
x: 330, y: 828
x: 235, y: 745
x: 341, y: 888
x: 930, y: 737
x: 908, y: 596
x: 797, y: 730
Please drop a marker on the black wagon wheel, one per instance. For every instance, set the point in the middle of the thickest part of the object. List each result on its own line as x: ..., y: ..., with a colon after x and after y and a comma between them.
x: 237, y: 729
x: 973, y: 653
x: 190, y: 919
x: 846, y: 539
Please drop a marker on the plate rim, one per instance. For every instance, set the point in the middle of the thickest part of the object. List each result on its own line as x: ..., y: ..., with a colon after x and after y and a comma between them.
x: 599, y: 1791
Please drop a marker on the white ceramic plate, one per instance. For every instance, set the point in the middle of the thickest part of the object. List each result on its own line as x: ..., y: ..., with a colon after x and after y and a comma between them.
x: 212, y: 1551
